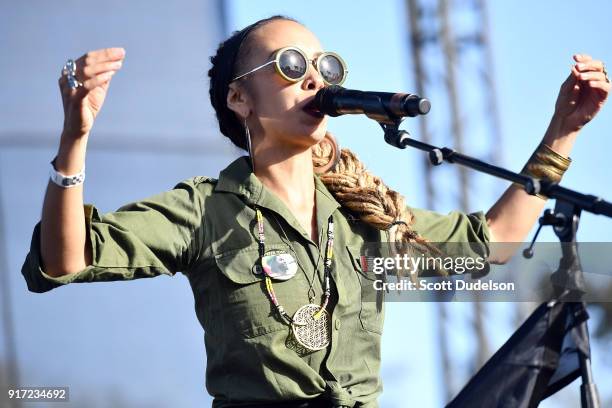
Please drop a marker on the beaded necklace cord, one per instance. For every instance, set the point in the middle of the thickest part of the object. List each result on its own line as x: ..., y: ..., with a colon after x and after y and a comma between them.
x: 329, y: 252
x: 311, y: 281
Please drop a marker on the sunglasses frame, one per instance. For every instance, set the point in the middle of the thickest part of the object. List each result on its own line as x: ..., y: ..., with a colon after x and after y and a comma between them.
x: 315, y: 61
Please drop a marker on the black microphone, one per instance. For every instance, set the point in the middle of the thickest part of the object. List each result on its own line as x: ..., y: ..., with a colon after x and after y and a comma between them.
x: 335, y: 101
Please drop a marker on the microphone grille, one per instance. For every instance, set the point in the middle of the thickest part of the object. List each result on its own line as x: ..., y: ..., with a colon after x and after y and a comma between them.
x: 324, y: 99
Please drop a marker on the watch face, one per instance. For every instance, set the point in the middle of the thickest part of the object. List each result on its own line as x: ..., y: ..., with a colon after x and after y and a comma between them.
x: 70, y: 181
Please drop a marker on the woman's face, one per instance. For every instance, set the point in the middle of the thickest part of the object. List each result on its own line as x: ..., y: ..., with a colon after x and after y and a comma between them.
x: 277, y: 116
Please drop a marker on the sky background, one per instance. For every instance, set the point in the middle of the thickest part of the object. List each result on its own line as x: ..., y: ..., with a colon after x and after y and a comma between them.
x: 139, y: 342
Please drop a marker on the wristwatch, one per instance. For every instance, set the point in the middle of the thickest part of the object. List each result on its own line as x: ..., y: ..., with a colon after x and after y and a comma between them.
x: 63, y: 180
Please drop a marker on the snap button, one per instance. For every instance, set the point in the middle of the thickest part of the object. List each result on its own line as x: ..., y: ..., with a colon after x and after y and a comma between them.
x: 337, y: 324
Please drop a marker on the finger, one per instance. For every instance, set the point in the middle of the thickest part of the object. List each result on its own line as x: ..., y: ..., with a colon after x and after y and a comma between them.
x: 601, y: 85
x: 592, y: 65
x: 592, y: 76
x: 101, y: 55
x: 575, y: 74
x: 98, y: 80
x: 90, y: 71
x: 582, y: 57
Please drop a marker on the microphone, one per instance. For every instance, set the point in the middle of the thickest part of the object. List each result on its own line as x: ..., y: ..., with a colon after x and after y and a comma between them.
x: 382, y: 106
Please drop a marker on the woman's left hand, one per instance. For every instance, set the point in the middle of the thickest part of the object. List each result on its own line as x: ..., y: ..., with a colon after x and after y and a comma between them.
x: 582, y: 94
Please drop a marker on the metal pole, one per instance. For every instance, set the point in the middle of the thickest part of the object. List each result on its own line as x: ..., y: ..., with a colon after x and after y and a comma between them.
x: 10, y: 345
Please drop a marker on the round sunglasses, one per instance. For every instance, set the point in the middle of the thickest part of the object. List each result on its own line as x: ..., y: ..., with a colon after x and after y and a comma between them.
x: 292, y: 64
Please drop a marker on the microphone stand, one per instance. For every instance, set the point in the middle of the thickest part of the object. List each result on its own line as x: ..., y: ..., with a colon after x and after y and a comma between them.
x: 568, y: 280
x: 533, y: 186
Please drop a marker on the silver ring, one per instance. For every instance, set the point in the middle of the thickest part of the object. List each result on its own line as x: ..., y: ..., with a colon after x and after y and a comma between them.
x: 69, y: 71
x: 605, y: 73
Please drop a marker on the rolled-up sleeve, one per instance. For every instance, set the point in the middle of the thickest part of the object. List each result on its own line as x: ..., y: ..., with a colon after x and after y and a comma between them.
x: 455, y: 226
x: 155, y: 236
x: 456, y: 234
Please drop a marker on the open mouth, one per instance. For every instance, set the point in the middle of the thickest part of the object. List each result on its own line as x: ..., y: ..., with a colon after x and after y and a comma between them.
x: 312, y: 110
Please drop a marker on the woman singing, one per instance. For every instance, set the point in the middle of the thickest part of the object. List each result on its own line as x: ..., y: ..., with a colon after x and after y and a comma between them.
x: 271, y: 246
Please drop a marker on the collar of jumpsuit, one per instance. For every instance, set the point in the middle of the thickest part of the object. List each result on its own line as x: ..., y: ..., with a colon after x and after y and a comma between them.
x: 347, y: 371
x: 239, y: 179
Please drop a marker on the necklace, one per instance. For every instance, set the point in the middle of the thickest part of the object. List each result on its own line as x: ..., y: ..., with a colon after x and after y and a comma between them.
x: 286, y: 240
x: 310, y: 323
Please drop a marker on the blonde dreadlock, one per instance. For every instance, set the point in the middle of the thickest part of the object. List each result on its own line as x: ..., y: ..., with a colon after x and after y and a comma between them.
x: 368, y: 197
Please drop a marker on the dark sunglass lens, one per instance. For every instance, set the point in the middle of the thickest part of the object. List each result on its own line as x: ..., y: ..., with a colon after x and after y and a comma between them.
x: 293, y: 64
x: 331, y: 69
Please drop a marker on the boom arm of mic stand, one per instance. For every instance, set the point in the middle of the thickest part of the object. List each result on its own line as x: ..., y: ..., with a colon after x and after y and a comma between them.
x: 533, y: 186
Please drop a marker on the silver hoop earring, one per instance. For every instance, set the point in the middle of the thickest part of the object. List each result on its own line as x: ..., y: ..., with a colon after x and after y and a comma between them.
x: 247, y: 135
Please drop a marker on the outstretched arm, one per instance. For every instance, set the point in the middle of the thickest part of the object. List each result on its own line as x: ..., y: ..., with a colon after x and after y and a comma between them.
x: 581, y: 97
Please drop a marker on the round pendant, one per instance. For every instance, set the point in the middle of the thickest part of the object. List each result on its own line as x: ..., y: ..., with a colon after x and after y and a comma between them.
x: 281, y: 266
x: 314, y: 334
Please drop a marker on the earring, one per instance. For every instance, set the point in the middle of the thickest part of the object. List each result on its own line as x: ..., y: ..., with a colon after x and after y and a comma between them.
x: 247, y: 135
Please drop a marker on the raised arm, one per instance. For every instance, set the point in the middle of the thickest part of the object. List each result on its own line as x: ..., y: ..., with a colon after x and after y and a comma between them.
x: 63, y: 240
x: 580, y: 98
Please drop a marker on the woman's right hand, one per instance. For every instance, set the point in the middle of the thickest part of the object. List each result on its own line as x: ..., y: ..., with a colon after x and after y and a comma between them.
x: 81, y: 105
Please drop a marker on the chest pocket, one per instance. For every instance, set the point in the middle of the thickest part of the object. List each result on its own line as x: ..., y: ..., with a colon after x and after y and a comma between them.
x: 371, y: 314
x: 245, y: 305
